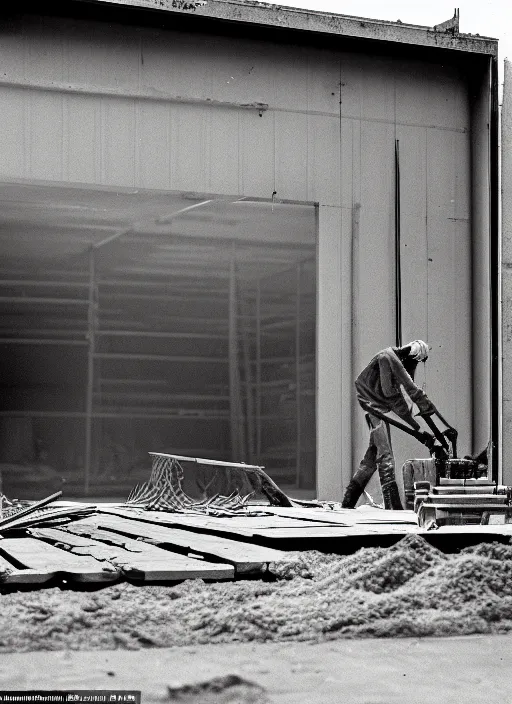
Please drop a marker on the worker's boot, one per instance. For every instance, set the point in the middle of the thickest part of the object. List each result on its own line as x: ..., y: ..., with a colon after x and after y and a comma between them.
x: 389, y: 487
x: 386, y: 466
x: 362, y: 476
x: 352, y: 494
x: 391, y: 496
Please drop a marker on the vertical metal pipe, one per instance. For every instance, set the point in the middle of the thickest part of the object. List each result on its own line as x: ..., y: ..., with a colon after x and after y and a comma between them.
x: 495, y: 281
x: 233, y: 362
x: 298, y: 438
x: 398, y: 263
x: 248, y: 377
x: 505, y: 407
x: 484, y: 234
x: 258, y: 371
x: 91, y: 331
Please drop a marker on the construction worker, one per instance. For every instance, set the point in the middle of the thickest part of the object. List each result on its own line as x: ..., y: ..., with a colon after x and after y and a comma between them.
x: 387, y: 384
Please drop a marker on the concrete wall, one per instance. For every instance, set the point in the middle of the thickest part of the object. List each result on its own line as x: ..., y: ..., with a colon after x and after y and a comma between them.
x: 146, y: 108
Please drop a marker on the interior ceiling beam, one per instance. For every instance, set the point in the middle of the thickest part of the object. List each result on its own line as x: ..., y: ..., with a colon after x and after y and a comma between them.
x: 184, y: 239
x: 142, y: 297
x: 42, y: 342
x: 37, y: 271
x: 159, y: 335
x: 160, y: 358
x: 185, y: 280
x: 142, y: 395
x: 42, y: 283
x: 133, y: 382
x: 171, y: 320
x: 162, y: 219
x: 23, y: 320
x: 166, y: 272
x: 41, y: 332
x: 43, y: 301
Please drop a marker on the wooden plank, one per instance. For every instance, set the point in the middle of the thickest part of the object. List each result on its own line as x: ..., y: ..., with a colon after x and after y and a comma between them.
x: 292, y: 529
x: 248, y: 526
x: 251, y: 522
x: 40, y: 556
x: 244, y: 556
x: 199, y: 460
x: 187, y: 521
x: 76, y: 544
x: 331, y: 532
x: 345, y: 517
x: 312, y: 534
x: 306, y: 530
x: 136, y: 559
x: 498, y: 529
x: 4, y: 522
x: 9, y: 574
x: 242, y: 523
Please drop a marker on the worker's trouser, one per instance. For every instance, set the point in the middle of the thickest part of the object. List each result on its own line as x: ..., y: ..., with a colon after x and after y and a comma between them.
x: 379, y: 455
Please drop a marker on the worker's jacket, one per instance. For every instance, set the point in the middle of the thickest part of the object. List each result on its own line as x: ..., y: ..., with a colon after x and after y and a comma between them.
x: 379, y: 386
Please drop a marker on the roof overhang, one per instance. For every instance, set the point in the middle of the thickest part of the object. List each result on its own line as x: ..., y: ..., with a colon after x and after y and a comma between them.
x: 251, y: 13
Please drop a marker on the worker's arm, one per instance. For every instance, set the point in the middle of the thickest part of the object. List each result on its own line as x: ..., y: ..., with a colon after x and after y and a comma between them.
x: 424, y: 437
x: 392, y: 376
x: 417, y: 396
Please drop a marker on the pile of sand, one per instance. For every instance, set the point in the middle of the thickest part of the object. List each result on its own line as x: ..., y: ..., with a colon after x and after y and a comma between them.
x: 411, y: 589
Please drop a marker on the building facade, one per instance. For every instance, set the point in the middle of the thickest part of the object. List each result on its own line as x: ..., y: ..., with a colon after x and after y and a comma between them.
x: 213, y: 215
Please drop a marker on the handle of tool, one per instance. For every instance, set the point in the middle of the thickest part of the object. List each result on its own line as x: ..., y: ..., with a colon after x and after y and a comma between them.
x: 450, y: 433
x: 454, y: 444
x: 401, y: 426
x: 443, y: 420
x: 435, y: 430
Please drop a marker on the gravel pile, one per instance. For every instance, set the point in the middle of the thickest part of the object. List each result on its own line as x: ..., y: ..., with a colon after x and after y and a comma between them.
x: 411, y: 589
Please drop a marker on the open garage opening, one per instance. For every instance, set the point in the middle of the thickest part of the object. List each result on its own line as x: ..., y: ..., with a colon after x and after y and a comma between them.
x: 136, y: 321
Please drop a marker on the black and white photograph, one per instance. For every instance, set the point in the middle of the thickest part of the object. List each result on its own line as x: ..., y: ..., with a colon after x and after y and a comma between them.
x: 256, y: 352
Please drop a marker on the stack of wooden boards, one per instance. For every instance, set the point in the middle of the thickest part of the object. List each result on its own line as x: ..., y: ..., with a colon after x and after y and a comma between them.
x: 118, y: 542
x: 108, y: 543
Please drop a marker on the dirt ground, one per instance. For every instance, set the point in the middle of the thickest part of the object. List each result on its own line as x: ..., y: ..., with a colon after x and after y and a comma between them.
x: 469, y: 669
x: 318, y: 629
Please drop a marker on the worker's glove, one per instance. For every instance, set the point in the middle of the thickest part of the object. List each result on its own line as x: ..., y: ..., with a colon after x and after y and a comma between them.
x: 451, y: 434
x: 427, y: 439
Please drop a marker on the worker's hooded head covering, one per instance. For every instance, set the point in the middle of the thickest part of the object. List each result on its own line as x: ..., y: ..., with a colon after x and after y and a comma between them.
x: 419, y: 350
x: 411, y: 354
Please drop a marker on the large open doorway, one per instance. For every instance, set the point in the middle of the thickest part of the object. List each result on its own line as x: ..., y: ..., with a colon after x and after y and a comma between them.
x: 136, y: 321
